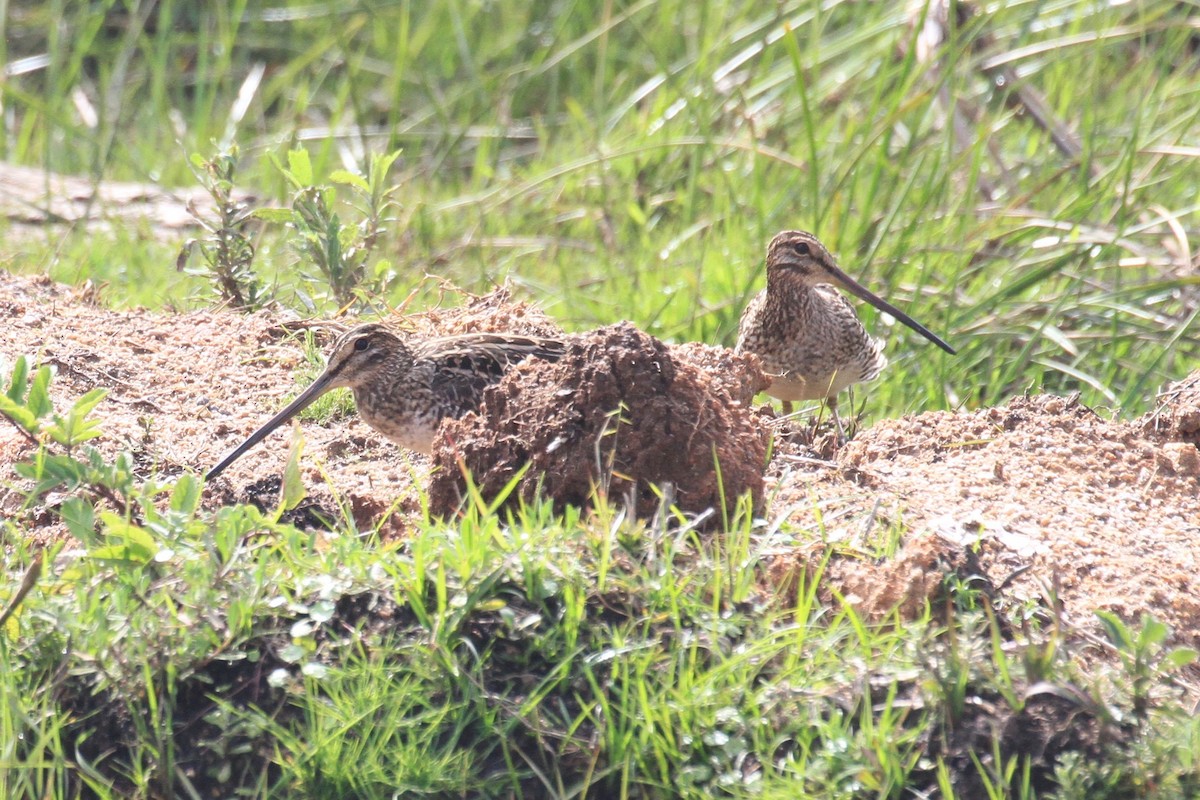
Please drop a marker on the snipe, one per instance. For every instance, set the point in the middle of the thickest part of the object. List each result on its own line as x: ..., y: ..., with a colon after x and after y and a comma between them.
x: 404, y: 388
x: 806, y: 333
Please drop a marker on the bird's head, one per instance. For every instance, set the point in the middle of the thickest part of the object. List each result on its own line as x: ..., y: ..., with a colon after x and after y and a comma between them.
x: 363, y: 355
x: 360, y: 357
x: 800, y: 256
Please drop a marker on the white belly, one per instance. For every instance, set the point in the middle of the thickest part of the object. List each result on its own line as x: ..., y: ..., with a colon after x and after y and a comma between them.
x: 414, y: 437
x: 792, y: 386
x: 413, y: 433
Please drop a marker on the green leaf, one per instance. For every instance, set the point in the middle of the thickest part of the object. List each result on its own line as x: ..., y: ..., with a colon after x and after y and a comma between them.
x: 300, y: 166
x: 1152, y: 633
x: 314, y: 670
x: 322, y: 611
x: 19, y: 414
x: 84, y: 405
x: 349, y: 178
x: 113, y: 552
x: 279, y: 215
x: 381, y: 163
x: 636, y: 214
x: 69, y: 434
x: 292, y: 653
x: 73, y: 429
x: 1178, y: 658
x: 20, y: 377
x: 382, y: 267
x: 76, y: 427
x: 1116, y: 631
x: 128, y: 541
x: 38, y: 400
x: 80, y: 518
x: 292, y: 491
x: 185, y: 498
x: 53, y: 470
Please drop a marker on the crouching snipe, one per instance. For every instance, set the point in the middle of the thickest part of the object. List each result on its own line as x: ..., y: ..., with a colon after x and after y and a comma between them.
x: 405, y: 388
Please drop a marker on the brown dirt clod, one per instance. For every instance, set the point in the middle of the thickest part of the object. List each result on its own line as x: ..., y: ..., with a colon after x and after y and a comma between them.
x: 620, y: 413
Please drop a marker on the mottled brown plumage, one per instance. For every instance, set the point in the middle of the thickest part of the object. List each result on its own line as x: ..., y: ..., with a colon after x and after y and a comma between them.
x: 405, y: 388
x: 806, y: 333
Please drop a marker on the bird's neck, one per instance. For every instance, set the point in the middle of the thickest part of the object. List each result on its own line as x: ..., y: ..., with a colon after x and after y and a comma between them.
x: 786, y: 306
x: 786, y: 290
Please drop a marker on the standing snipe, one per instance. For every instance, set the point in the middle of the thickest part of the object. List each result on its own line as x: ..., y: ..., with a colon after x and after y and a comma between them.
x: 806, y: 333
x: 405, y: 388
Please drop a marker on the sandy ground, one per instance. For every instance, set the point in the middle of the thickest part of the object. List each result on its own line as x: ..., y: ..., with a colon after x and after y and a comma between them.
x: 1057, y: 503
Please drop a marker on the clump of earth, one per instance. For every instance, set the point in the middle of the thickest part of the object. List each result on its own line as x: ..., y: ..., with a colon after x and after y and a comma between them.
x: 622, y: 416
x: 1053, y: 503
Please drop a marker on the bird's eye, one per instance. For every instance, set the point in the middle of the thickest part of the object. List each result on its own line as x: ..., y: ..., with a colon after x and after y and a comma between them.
x: 362, y: 344
x: 802, y: 249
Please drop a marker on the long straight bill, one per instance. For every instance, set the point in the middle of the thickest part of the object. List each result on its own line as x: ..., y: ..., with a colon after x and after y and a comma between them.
x: 303, y: 401
x: 858, y: 291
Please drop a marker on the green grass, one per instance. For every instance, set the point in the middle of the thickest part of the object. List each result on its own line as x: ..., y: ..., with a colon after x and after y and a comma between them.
x: 615, y: 161
x: 540, y: 656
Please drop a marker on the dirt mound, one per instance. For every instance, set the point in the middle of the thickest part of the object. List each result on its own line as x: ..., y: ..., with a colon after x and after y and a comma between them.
x: 620, y: 413
x: 1053, y: 497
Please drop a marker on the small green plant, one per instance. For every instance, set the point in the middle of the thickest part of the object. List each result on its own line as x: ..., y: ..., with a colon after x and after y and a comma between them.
x: 341, y: 252
x: 26, y: 403
x: 227, y: 250
x: 1143, y: 656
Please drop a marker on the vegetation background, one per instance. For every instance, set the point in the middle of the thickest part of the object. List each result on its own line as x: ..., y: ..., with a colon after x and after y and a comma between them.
x: 1021, y: 177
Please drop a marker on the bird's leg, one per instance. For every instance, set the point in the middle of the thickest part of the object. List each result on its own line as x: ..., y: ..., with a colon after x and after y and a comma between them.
x: 831, y: 402
x: 787, y: 407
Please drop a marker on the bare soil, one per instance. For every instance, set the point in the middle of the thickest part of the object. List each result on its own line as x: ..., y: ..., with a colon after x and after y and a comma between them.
x: 1050, y: 502
x: 1060, y: 506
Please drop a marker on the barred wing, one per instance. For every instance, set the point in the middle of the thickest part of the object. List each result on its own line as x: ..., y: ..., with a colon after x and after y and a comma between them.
x: 465, y: 365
